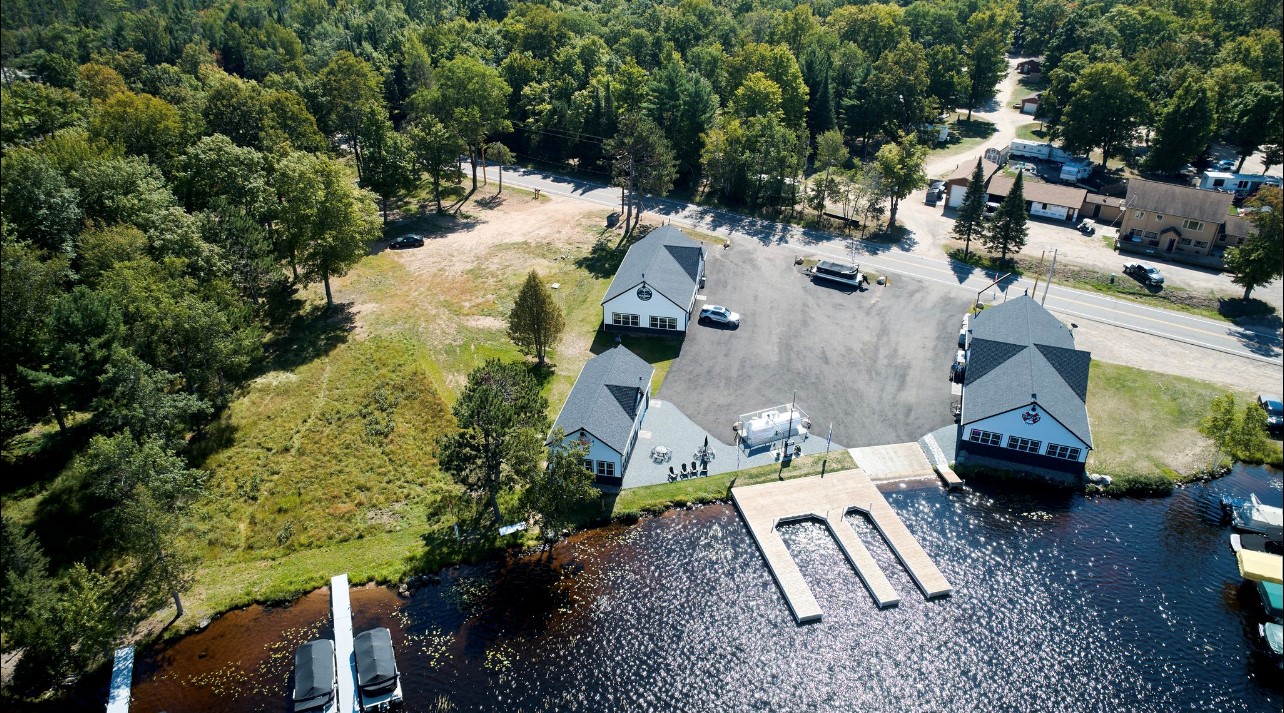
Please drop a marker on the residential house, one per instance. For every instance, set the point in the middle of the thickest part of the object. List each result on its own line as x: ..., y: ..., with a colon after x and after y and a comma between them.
x: 1174, y: 221
x: 655, y: 288
x: 1025, y: 394
x: 1044, y: 200
x: 604, y: 412
x: 1102, y: 208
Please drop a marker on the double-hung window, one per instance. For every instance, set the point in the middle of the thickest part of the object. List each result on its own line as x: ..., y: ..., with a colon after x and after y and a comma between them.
x: 1056, y: 450
x: 605, y: 469
x: 664, y: 323
x: 624, y: 320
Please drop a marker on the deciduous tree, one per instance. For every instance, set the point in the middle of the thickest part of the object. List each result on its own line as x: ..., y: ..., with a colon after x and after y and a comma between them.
x: 471, y: 99
x: 1184, y: 127
x: 642, y: 162
x: 900, y: 167
x: 436, y: 150
x: 1104, y: 110
x: 558, y: 490
x: 1260, y: 259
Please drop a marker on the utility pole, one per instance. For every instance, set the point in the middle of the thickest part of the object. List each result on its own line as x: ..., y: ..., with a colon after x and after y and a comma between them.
x: 1038, y: 272
x: 1048, y: 284
x: 780, y: 474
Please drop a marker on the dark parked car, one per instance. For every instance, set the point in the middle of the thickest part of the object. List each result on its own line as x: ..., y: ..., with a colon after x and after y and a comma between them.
x: 1274, y: 412
x: 407, y: 241
x: 1145, y: 274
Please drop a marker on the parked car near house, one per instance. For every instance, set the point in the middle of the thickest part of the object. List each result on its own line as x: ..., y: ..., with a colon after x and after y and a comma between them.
x: 407, y: 241
x: 719, y: 314
x: 1274, y: 409
x: 1143, y: 273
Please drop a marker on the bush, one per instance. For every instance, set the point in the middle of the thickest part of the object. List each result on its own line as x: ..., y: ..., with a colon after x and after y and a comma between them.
x: 1140, y: 485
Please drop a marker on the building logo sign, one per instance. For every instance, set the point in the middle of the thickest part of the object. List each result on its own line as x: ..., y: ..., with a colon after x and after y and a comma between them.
x: 644, y: 293
x: 1031, y: 417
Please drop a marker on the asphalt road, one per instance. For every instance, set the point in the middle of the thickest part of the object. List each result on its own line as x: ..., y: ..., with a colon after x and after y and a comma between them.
x: 875, y: 363
x: 1257, y: 343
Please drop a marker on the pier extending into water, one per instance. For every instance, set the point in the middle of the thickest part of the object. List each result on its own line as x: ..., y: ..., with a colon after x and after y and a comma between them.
x: 829, y: 498
x: 122, y: 680
x: 341, y: 609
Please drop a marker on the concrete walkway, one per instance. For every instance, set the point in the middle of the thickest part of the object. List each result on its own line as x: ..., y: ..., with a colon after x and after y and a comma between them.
x: 665, y: 425
x: 899, y: 461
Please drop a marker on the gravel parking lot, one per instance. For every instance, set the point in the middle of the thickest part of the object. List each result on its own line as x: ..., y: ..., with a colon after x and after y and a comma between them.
x: 875, y: 362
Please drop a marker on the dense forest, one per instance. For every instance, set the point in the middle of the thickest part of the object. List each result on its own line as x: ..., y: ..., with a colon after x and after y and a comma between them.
x: 173, y: 172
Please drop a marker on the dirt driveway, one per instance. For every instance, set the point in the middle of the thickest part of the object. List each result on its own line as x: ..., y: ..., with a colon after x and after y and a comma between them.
x: 875, y: 363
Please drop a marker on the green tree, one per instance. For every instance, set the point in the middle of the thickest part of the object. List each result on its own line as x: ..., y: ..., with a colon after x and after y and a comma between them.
x: 831, y: 152
x: 145, y: 401
x: 388, y: 169
x: 643, y: 162
x: 1184, y: 127
x: 1007, y: 230
x: 1104, y: 110
x: 560, y: 489
x: 37, y: 203
x: 142, y: 125
x: 989, y: 34
x: 535, y: 323
x: 326, y: 222
x: 1260, y: 260
x: 683, y: 104
x: 970, y: 218
x: 24, y: 577
x: 1236, y: 435
x: 30, y: 111
x: 71, y: 633
x: 498, y: 412
x: 470, y: 98
x: 501, y: 155
x: 436, y: 150
x: 347, y: 88
x: 946, y: 82
x: 1254, y: 118
x: 898, y: 87
x: 901, y: 169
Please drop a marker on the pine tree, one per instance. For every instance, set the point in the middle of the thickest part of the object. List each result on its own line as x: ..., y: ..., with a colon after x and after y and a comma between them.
x: 968, y: 220
x: 536, y: 322
x: 1007, y: 231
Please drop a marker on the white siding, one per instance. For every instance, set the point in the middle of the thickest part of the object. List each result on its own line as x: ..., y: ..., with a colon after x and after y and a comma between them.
x: 598, y: 451
x: 1046, y: 431
x: 657, y: 306
x: 1049, y: 210
x: 954, y: 198
x: 1029, y: 108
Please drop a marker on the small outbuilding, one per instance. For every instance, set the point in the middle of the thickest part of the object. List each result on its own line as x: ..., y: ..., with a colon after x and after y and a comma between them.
x: 604, y: 412
x: 654, y: 290
x: 1030, y: 105
x: 1034, y: 65
x: 1025, y: 394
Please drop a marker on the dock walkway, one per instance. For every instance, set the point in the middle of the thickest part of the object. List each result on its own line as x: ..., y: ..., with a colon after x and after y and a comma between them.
x: 828, y: 499
x: 341, y: 608
x: 122, y: 680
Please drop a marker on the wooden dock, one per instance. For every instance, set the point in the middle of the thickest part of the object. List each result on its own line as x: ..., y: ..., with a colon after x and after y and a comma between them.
x: 122, y: 680
x: 341, y: 609
x: 828, y: 499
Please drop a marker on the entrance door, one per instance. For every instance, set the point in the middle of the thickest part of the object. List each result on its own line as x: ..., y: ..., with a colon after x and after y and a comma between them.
x: 1172, y: 242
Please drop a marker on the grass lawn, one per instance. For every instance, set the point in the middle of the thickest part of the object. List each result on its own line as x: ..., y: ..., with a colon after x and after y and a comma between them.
x: 1025, y: 86
x: 970, y: 133
x: 1146, y: 424
x: 1033, y: 131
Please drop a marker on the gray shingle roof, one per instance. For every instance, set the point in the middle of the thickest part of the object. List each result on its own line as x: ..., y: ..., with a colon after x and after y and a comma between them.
x: 670, y: 262
x: 1020, y: 354
x: 604, y: 400
x: 1184, y: 201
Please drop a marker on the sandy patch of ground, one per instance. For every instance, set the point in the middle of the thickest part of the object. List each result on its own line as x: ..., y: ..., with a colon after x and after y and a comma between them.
x: 1143, y: 351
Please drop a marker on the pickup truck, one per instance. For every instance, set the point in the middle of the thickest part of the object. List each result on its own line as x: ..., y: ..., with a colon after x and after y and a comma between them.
x: 1143, y: 273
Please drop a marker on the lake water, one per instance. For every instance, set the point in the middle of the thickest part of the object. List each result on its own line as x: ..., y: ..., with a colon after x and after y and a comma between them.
x: 1060, y: 603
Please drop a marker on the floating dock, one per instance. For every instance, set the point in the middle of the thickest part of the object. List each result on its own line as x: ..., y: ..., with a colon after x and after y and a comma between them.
x: 828, y: 499
x: 122, y: 680
x: 341, y: 608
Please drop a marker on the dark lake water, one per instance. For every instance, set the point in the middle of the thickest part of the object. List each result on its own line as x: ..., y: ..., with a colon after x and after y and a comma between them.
x: 1060, y: 603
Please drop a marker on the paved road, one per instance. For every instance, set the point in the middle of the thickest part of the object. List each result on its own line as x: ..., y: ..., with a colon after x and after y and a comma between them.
x: 1253, y: 343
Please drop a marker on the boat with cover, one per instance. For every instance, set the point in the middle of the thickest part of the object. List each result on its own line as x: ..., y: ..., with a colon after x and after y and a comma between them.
x: 1274, y: 635
x: 316, y: 687
x: 1256, y: 543
x: 378, y: 681
x: 1252, y: 516
x: 1260, y: 567
x: 837, y: 272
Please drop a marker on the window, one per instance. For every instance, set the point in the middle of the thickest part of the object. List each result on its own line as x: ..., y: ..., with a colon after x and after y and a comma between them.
x: 986, y: 438
x: 1201, y: 243
x: 1152, y: 235
x: 1219, y: 182
x: 664, y: 323
x: 1023, y: 444
x: 1140, y: 214
x: 588, y: 464
x: 605, y: 469
x: 1194, y: 225
x: 1056, y: 450
x: 624, y: 320
x: 1154, y: 242
x: 1184, y: 241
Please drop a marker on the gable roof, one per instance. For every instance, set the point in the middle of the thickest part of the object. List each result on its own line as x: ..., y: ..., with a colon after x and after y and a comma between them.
x: 1238, y: 227
x: 667, y: 260
x: 1039, y: 192
x: 1021, y: 354
x: 604, y: 400
x: 1183, y: 201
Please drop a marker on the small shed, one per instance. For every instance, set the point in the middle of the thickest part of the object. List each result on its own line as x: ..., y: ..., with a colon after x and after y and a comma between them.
x: 1034, y: 65
x: 1030, y: 105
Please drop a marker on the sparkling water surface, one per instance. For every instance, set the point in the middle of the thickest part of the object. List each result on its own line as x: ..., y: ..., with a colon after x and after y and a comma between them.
x: 1060, y: 603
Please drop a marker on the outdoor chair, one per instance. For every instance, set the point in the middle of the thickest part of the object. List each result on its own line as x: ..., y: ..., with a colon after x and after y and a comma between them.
x: 672, y: 475
x: 684, y: 469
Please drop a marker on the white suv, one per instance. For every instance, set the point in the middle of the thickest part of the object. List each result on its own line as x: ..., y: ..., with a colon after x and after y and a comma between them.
x: 716, y: 313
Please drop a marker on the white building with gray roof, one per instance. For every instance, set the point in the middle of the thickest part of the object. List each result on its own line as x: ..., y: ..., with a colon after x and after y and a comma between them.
x: 604, y: 411
x: 654, y: 291
x: 1025, y: 393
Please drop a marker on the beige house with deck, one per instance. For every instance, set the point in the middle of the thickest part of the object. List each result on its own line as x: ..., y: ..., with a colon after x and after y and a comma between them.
x: 1176, y: 222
